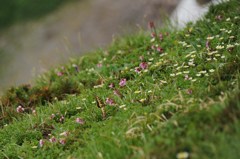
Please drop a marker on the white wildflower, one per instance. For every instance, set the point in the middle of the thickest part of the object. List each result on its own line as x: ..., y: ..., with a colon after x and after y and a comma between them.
x: 230, y: 46
x: 137, y: 92
x: 210, y: 37
x: 194, y: 80
x: 151, y: 59
x: 178, y: 73
x: 219, y: 47
x: 209, y: 59
x: 203, y: 72
x: 211, y: 70
x: 122, y: 106
x: 162, y: 81
x: 175, y: 65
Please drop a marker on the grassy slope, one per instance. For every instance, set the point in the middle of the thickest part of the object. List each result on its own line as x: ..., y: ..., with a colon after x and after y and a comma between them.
x: 161, y: 113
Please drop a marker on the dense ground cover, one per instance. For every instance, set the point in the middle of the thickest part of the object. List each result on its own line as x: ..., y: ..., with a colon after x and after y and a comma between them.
x: 166, y: 94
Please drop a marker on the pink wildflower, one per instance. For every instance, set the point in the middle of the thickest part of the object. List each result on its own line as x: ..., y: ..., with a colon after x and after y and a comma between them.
x: 186, y: 77
x: 143, y: 65
x: 151, y: 25
x: 34, y: 112
x: 62, y: 141
x: 99, y: 65
x: 141, y: 58
x: 137, y: 69
x: 153, y: 47
x: 207, y: 44
x: 117, y: 93
x: 111, y: 85
x: 52, y: 116
x: 159, y: 49
x: 110, y: 101
x: 41, y: 143
x: 53, y: 139
x: 20, y: 109
x: 123, y: 82
x: 59, y: 74
x: 161, y: 36
x: 61, y: 119
x: 218, y: 17
x: 153, y: 35
x: 80, y: 121
x: 189, y: 91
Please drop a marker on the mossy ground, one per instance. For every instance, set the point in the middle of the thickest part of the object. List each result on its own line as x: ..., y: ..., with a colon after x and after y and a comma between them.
x: 180, y: 99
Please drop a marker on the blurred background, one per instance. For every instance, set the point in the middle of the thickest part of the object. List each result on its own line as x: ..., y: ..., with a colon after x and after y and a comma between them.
x: 36, y: 35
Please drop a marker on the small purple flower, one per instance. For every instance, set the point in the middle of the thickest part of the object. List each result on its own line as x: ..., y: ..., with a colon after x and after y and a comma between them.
x: 161, y: 36
x: 110, y: 101
x: 99, y: 65
x: 151, y: 25
x: 62, y: 141
x: 59, y: 74
x: 153, y: 47
x: 189, y: 91
x: 80, y: 121
x: 153, y: 35
x: 137, y: 69
x: 111, y: 85
x: 143, y: 65
x: 53, y: 139
x: 141, y: 58
x: 208, y: 44
x: 219, y: 17
x: 34, y: 112
x: 123, y: 82
x: 117, y: 93
x: 159, y: 49
x: 20, y: 109
x: 61, y: 119
x: 41, y: 143
x: 52, y: 116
